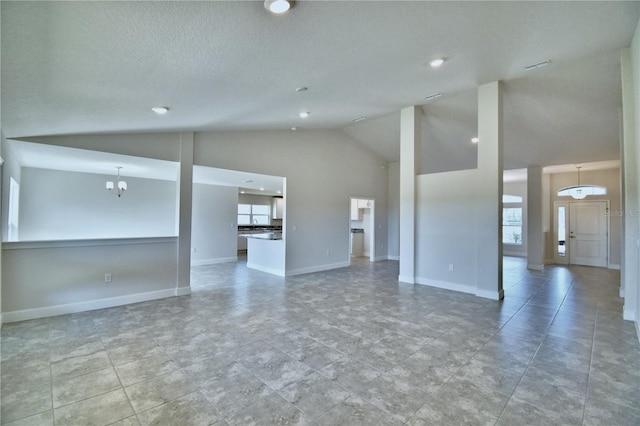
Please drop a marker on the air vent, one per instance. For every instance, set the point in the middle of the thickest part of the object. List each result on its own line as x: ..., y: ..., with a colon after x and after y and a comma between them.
x: 432, y: 97
x: 538, y: 65
x: 355, y: 120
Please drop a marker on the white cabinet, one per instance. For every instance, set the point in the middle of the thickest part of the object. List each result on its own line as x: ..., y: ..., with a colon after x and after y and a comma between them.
x: 364, y: 204
x: 276, y: 208
x: 356, y: 213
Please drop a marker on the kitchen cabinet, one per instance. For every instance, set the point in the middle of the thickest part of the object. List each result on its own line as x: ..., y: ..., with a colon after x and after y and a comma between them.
x: 356, y: 214
x: 357, y: 244
x: 364, y: 204
x: 277, y: 208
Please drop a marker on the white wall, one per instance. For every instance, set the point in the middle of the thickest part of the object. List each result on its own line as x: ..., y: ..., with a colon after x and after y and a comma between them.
x: 44, y: 279
x: 11, y: 169
x: 520, y: 189
x: 323, y: 169
x: 214, y: 229
x: 446, y: 230
x: 60, y: 205
x: 394, y: 210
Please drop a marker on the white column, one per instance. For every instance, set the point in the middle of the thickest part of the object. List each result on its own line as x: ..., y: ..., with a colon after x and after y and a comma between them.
x: 630, y: 200
x: 185, y: 190
x: 410, y: 139
x: 535, y: 233
x: 489, y: 192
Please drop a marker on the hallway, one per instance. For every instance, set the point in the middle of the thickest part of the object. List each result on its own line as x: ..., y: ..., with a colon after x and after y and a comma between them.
x: 348, y: 346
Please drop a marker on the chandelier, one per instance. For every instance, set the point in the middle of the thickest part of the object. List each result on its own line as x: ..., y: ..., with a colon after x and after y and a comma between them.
x: 119, y: 184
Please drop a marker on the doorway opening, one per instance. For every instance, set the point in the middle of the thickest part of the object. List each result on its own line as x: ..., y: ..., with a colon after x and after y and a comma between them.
x: 581, y: 230
x: 362, y: 228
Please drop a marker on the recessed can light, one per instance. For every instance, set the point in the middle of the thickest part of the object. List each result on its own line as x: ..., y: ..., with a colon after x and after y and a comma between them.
x: 361, y: 118
x: 475, y: 140
x: 293, y: 129
x: 160, y: 110
x: 432, y: 97
x: 261, y: 189
x: 435, y: 63
x: 302, y: 89
x: 304, y: 114
x: 277, y: 6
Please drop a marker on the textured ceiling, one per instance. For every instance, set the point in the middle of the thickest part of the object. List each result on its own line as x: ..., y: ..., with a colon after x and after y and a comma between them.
x: 96, y: 67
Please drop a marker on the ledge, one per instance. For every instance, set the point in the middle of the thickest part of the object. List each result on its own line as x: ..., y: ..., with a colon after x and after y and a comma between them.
x: 22, y: 245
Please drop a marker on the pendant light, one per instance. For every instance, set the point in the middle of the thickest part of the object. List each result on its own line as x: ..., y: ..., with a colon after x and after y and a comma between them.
x: 578, y: 192
x: 120, y: 185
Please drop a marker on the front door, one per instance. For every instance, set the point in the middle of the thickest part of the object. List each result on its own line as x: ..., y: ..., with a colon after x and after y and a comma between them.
x: 588, y: 233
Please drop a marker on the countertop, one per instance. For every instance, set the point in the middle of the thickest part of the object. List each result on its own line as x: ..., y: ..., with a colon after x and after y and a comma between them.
x: 264, y: 236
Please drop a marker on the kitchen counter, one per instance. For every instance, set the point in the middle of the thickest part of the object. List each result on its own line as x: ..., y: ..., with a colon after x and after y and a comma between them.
x: 264, y: 236
x: 266, y: 254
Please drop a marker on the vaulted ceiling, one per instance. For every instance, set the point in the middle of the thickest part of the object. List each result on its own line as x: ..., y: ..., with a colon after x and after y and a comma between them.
x: 99, y: 67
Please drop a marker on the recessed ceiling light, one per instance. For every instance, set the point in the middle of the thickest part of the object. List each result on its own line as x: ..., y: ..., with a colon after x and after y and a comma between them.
x: 277, y: 6
x: 302, y: 89
x: 261, y: 189
x: 362, y: 117
x: 242, y: 192
x: 435, y: 63
x: 537, y: 65
x: 294, y: 129
x: 304, y: 114
x: 432, y: 97
x: 248, y: 181
x: 279, y: 192
x: 475, y: 140
x: 160, y: 110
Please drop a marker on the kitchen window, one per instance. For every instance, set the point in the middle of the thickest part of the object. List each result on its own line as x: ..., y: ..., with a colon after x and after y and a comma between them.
x: 253, y: 214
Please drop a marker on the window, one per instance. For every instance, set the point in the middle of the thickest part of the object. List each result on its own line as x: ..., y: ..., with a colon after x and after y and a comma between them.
x: 253, y: 214
x: 512, y: 219
x: 582, y: 191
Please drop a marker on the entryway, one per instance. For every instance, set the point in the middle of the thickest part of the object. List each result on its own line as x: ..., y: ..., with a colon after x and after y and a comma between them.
x: 582, y: 232
x: 362, y: 229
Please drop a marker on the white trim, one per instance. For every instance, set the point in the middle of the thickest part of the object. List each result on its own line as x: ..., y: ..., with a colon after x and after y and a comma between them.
x: 20, y: 245
x: 513, y: 253
x: 390, y: 257
x: 214, y: 261
x: 489, y: 294
x: 366, y: 254
x: 274, y: 271
x: 183, y: 291
x: 1, y: 321
x: 319, y: 268
x: 406, y: 279
x: 629, y: 315
x: 638, y: 329
x: 90, y: 305
x: 535, y: 267
x: 622, y: 292
x: 614, y: 266
x: 379, y: 258
x: 464, y: 288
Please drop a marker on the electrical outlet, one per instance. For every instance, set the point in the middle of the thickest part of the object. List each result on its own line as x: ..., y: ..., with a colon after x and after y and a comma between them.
x: 451, y: 267
x: 328, y: 253
x: 107, y: 278
x: 194, y: 249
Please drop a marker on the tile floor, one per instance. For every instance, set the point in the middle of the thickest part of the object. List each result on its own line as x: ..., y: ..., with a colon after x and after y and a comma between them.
x: 344, y: 347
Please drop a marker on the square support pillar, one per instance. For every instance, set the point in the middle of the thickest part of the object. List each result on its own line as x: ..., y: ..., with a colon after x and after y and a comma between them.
x: 410, y: 139
x: 535, y: 233
x: 185, y: 196
x: 489, y: 192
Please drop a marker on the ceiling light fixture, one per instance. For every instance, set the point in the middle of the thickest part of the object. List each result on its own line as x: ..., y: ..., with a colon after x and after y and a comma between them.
x: 293, y: 129
x: 361, y: 118
x: 302, y: 89
x: 432, y: 97
x: 277, y: 6
x: 120, y: 184
x: 304, y: 114
x: 475, y: 139
x: 160, y: 110
x: 538, y: 65
x: 435, y: 63
x: 577, y: 192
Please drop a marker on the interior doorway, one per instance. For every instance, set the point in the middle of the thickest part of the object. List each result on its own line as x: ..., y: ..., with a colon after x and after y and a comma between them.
x: 581, y: 229
x: 362, y: 228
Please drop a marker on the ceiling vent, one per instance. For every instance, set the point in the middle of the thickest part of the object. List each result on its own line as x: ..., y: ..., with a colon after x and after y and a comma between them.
x: 432, y: 97
x: 538, y: 65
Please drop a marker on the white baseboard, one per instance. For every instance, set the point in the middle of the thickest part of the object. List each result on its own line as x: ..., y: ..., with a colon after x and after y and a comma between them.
x: 549, y: 261
x: 261, y: 268
x: 406, y: 279
x: 535, y: 267
x: 366, y: 254
x: 622, y: 292
x: 183, y: 291
x: 463, y: 288
x: 91, y: 305
x: 614, y: 266
x: 629, y: 315
x: 638, y: 330
x: 491, y: 294
x: 514, y: 253
x: 214, y: 261
x: 379, y: 258
x: 319, y: 268
x: 390, y: 257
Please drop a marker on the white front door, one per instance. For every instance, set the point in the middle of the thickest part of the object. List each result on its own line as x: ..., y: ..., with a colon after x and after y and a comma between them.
x: 588, y: 233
